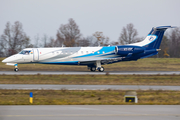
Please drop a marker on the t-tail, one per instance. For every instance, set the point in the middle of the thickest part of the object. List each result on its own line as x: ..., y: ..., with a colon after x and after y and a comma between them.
x: 154, y: 38
x: 150, y: 45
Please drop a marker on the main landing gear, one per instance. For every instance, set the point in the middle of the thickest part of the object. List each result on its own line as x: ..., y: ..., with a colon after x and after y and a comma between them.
x: 97, y: 67
x: 93, y: 69
x: 101, y: 69
x: 16, y: 68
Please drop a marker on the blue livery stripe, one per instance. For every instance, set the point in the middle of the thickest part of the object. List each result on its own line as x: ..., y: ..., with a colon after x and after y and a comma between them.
x: 65, y: 63
x: 99, y: 52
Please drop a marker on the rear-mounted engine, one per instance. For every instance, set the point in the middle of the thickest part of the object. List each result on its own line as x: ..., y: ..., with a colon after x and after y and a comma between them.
x: 125, y: 50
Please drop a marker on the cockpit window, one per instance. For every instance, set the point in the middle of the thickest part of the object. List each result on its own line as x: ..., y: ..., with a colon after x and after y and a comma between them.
x: 25, y: 52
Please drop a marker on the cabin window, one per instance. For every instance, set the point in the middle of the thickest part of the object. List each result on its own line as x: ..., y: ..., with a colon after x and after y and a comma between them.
x: 87, y: 52
x: 81, y: 52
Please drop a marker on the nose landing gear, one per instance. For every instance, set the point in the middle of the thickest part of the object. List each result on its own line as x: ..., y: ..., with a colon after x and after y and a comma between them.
x: 16, y: 68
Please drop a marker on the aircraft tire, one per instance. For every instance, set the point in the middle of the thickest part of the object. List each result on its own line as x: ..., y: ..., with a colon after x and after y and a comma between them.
x: 93, y: 69
x: 101, y: 69
x: 16, y: 69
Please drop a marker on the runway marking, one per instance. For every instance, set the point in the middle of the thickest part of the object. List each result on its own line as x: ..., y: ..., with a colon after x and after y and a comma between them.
x: 90, y: 115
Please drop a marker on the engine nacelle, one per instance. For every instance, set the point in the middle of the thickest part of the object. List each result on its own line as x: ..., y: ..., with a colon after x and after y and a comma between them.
x: 125, y: 50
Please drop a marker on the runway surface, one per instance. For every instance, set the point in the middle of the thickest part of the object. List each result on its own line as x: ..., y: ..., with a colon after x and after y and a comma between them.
x: 86, y: 87
x: 90, y: 112
x: 90, y: 73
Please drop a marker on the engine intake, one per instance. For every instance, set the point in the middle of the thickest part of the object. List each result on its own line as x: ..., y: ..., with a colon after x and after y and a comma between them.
x: 125, y: 50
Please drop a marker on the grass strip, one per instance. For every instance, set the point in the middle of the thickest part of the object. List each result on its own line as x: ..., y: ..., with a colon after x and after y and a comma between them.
x: 173, y: 80
x: 80, y: 97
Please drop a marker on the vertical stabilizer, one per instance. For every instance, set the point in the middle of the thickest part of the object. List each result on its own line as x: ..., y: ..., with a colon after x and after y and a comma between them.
x: 154, y: 38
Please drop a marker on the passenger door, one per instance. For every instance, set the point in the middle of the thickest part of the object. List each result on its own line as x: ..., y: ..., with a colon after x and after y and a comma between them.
x: 35, y: 54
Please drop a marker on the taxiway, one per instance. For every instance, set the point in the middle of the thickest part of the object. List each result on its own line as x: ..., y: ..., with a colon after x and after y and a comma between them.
x: 85, y: 87
x: 90, y: 112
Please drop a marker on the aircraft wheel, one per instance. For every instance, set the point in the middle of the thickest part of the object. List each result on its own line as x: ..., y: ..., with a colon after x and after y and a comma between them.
x: 93, y: 69
x: 101, y: 69
x: 16, y: 69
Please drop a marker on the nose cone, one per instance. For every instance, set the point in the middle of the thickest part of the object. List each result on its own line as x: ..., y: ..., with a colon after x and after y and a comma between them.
x: 10, y: 59
x: 5, y: 60
x: 13, y: 59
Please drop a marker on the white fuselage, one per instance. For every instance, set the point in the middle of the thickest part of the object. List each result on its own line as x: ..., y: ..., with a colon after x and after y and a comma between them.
x: 62, y: 55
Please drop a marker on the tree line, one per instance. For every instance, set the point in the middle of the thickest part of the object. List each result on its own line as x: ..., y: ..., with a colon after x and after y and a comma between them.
x: 14, y: 39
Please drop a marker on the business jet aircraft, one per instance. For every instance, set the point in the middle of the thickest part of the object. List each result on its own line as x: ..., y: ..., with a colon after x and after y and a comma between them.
x: 93, y: 57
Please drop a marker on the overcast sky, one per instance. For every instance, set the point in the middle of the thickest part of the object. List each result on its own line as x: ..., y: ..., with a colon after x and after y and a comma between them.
x: 108, y: 16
